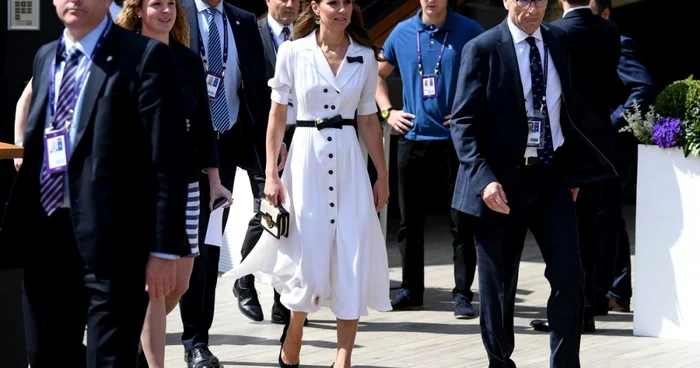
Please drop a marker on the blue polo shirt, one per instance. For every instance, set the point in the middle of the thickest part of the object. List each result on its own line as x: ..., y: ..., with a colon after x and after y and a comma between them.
x: 400, y: 50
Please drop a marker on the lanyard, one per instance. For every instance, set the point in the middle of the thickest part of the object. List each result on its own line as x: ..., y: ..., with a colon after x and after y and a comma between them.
x: 61, y: 48
x: 201, y: 46
x: 274, y: 39
x: 439, y: 59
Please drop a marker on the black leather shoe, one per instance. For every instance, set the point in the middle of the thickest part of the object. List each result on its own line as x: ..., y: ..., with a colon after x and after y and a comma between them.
x: 201, y: 357
x: 463, y: 307
x: 540, y: 325
x: 543, y: 326
x: 405, y: 301
x: 280, y: 315
x: 248, y: 302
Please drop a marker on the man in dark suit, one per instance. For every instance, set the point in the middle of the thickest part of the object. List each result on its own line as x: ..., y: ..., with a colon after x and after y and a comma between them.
x: 109, y: 189
x: 275, y: 28
x: 228, y: 41
x: 525, y: 141
x: 613, y: 269
x: 594, y: 44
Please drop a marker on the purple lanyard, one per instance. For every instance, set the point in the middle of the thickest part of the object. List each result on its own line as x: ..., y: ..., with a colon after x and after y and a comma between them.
x: 201, y: 47
x: 61, y: 48
x: 439, y: 59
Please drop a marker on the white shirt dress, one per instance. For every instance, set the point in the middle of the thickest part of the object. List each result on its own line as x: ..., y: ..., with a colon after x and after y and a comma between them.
x: 335, y: 255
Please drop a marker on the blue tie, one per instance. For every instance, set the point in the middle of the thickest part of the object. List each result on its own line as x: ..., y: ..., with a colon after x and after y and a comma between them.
x: 539, y: 89
x: 51, y: 192
x: 219, y: 109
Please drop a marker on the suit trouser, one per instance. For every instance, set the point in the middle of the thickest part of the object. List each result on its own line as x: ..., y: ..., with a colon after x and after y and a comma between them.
x: 591, y: 243
x: 539, y: 201
x: 61, y: 297
x: 613, y: 264
x: 197, y: 304
x: 425, y: 167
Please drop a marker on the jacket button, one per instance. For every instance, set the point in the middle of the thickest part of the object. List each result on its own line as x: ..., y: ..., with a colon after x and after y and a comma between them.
x: 330, y: 172
x: 325, y: 106
x: 330, y: 188
x: 332, y: 107
x: 332, y: 204
x: 332, y: 221
x: 330, y: 139
x: 325, y: 90
x: 330, y: 155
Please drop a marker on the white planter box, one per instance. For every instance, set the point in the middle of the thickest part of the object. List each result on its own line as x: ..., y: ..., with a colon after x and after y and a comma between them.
x: 667, y: 272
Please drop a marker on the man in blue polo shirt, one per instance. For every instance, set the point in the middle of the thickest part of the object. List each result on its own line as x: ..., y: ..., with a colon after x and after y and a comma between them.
x: 427, y: 48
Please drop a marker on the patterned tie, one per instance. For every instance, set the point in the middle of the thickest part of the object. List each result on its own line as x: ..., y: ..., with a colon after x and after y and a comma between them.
x: 219, y: 109
x: 539, y: 89
x: 51, y: 192
x: 285, y: 32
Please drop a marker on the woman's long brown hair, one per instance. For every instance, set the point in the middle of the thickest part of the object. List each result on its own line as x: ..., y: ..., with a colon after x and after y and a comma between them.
x: 129, y: 20
x: 306, y: 23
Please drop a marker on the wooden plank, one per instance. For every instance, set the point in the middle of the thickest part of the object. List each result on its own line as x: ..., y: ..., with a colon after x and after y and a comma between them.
x: 8, y: 151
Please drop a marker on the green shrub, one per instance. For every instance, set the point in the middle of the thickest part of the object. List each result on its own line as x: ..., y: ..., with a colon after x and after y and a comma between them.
x: 681, y: 100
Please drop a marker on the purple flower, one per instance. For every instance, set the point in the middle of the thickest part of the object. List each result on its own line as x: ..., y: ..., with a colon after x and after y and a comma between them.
x: 667, y: 132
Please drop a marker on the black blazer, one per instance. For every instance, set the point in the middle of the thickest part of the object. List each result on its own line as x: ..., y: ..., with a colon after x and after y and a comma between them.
x: 255, y: 98
x: 489, y: 124
x: 636, y: 79
x: 201, y: 141
x: 126, y: 179
x: 268, y: 48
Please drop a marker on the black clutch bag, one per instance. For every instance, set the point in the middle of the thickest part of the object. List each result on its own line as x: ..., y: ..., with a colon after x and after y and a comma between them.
x: 274, y: 219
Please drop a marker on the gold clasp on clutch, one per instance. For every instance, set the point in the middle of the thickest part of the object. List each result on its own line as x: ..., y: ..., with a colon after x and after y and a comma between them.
x: 268, y: 220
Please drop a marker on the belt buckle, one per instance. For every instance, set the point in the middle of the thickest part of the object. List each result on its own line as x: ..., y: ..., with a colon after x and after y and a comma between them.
x: 530, y: 161
x: 319, y: 121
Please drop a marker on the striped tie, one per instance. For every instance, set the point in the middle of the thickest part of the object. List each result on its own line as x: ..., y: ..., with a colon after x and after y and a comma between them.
x: 52, y: 184
x: 219, y: 109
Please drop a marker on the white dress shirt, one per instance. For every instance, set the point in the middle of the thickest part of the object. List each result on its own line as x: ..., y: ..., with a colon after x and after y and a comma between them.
x: 276, y: 29
x: 554, y: 96
x: 232, y: 79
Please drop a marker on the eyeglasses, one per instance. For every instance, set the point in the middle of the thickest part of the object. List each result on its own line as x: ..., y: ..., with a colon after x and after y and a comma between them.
x: 526, y: 3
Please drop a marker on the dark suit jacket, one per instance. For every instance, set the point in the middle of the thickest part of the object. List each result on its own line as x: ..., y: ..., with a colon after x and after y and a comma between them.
x: 636, y: 79
x: 270, y: 62
x: 200, y: 138
x: 489, y: 124
x: 126, y: 179
x: 255, y: 99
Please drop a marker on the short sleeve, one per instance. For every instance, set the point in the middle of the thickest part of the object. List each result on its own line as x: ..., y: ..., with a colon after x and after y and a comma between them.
x: 388, y: 50
x: 283, y: 80
x: 367, y: 103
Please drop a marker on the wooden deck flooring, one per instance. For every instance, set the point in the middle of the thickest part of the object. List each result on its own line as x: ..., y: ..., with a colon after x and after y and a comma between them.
x: 430, y: 338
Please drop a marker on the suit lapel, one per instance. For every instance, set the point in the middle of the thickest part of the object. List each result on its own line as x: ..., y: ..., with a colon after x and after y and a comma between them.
x: 506, y: 51
x: 101, y: 66
x: 347, y: 70
x: 239, y: 36
x: 191, y: 15
x: 557, y: 54
x: 37, y: 115
x: 268, y: 45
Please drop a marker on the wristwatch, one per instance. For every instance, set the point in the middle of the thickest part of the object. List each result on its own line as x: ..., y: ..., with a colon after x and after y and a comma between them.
x: 19, y: 143
x: 385, y: 112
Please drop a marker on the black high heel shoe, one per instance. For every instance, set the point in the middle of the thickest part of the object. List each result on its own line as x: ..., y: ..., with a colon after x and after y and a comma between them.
x: 285, y: 365
x: 284, y: 333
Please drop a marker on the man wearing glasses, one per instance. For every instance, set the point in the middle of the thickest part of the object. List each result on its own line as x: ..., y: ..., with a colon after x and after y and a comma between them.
x: 526, y: 141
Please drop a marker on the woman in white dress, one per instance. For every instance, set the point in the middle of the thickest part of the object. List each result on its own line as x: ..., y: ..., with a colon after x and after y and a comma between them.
x: 335, y: 255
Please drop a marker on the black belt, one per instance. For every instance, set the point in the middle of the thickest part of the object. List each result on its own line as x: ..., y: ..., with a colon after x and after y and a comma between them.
x: 336, y: 122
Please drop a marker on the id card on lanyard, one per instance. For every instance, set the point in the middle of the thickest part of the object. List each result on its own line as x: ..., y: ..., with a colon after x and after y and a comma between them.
x: 537, y: 119
x: 429, y: 82
x: 56, y: 140
x: 215, y: 82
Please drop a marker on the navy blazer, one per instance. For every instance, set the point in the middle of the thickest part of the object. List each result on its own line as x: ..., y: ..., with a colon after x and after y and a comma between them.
x: 489, y: 122
x: 636, y: 80
x: 254, y: 94
x: 126, y: 177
